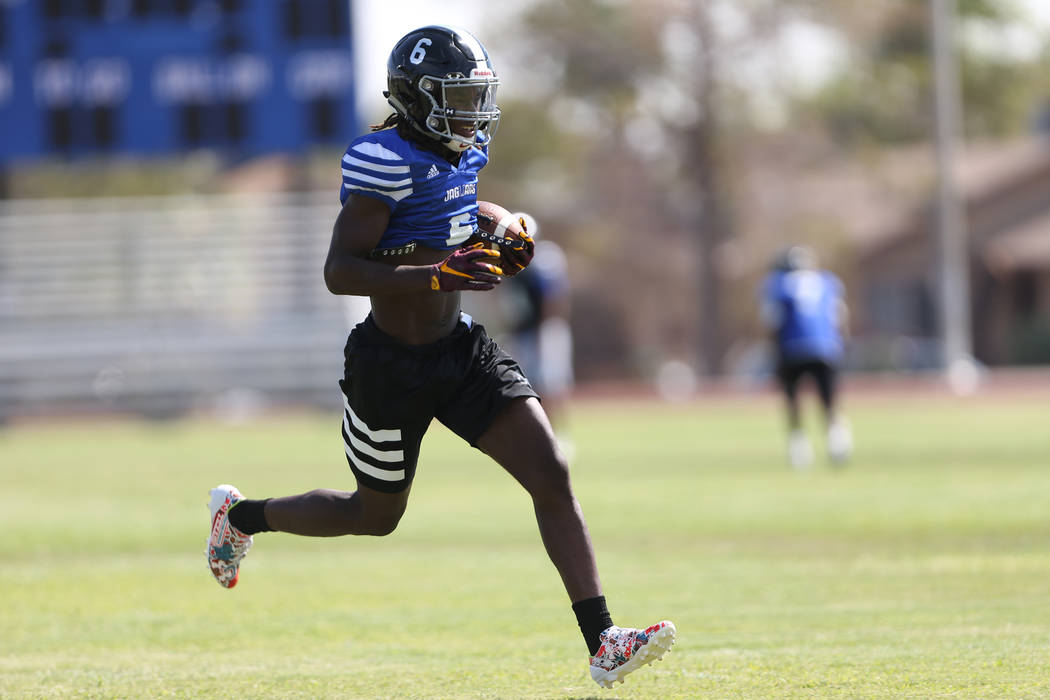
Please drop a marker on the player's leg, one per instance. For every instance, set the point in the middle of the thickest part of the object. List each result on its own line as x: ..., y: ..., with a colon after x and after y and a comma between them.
x: 318, y: 513
x: 329, y: 513
x: 839, y: 435
x: 382, y: 427
x: 494, y: 408
x: 800, y: 452
x: 381, y: 449
x: 383, y: 462
x: 825, y: 377
x: 788, y: 375
x: 521, y: 440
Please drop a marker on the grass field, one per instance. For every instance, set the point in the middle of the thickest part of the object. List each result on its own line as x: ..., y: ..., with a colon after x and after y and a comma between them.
x: 920, y: 571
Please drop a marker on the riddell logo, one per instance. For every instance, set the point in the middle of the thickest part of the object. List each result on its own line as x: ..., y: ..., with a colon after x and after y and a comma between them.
x: 481, y: 73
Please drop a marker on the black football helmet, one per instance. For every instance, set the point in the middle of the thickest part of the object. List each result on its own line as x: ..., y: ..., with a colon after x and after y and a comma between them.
x: 442, y: 84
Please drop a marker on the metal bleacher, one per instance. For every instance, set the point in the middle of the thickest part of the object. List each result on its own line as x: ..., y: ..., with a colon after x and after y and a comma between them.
x: 167, y: 304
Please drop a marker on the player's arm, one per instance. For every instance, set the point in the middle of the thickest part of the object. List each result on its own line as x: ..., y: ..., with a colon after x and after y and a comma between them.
x: 770, y: 307
x: 841, y: 309
x: 358, y: 229
x: 842, y: 317
x: 770, y: 311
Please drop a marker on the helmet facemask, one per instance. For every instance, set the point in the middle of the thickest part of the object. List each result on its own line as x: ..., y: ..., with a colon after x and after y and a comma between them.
x: 463, y: 111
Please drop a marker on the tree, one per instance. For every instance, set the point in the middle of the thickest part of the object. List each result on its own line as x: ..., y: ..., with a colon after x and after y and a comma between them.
x: 881, y: 94
x: 639, y: 119
x: 646, y: 78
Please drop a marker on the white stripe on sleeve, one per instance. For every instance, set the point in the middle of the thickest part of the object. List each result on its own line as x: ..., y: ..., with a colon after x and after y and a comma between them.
x: 396, y: 195
x: 358, y: 175
x: 374, y: 150
x: 395, y: 169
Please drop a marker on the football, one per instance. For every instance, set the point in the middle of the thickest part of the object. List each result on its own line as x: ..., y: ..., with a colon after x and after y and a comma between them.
x: 496, y: 222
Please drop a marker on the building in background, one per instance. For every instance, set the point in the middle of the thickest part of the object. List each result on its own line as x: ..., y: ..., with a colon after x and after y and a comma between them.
x: 1006, y: 189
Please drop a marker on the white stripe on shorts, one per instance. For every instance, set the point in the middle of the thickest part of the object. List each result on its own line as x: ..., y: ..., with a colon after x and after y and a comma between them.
x: 383, y: 474
x: 373, y: 435
x: 374, y: 452
x: 355, y: 445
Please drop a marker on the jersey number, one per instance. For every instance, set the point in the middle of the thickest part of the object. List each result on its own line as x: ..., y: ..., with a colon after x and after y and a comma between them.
x: 459, y: 229
x: 420, y: 51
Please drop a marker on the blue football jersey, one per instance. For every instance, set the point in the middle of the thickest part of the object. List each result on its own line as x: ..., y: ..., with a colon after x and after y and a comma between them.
x: 803, y: 307
x: 432, y: 201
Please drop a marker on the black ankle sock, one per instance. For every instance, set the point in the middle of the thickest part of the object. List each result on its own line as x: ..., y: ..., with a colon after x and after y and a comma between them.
x: 249, y: 516
x: 593, y: 618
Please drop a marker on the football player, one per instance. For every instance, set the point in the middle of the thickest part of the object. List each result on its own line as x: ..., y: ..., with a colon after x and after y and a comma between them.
x: 804, y: 309
x: 405, y: 237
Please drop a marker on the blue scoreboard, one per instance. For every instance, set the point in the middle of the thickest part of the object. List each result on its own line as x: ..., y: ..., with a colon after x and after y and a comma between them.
x: 153, y: 77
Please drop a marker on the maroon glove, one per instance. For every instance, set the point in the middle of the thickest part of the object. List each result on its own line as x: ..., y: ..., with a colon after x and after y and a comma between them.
x: 516, y: 249
x: 468, y: 268
x: 516, y: 253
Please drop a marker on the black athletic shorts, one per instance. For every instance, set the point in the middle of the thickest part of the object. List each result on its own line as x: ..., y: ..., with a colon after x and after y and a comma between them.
x: 391, y: 392
x: 824, y: 374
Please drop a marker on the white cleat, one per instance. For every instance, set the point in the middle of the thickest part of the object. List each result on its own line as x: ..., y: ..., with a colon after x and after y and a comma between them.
x: 624, y: 650
x: 226, y: 544
x: 800, y: 452
x: 840, y: 441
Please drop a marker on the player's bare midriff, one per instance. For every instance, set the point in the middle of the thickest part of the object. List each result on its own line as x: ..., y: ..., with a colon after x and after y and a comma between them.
x: 417, y: 318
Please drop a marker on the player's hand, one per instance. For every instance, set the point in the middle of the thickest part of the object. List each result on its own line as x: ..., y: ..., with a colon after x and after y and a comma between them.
x: 468, y: 268
x: 515, y: 250
x: 516, y: 253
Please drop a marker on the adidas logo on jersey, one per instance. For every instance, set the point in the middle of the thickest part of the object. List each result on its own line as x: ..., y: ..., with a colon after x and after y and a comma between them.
x: 433, y: 172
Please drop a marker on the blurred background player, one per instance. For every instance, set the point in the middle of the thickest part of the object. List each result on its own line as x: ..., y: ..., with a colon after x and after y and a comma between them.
x: 405, y: 237
x: 804, y: 309
x: 541, y: 338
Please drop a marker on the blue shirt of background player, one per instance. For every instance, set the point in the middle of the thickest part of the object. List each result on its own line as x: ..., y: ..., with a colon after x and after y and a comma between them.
x: 432, y: 202
x: 803, y: 307
x: 545, y: 278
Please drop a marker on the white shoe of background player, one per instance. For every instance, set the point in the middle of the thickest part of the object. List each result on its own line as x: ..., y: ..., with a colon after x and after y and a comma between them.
x: 840, y: 441
x: 800, y: 452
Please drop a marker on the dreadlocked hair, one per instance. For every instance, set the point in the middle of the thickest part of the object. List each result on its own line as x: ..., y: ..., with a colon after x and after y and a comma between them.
x: 391, y: 121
